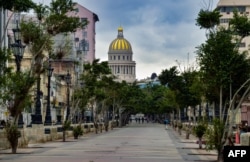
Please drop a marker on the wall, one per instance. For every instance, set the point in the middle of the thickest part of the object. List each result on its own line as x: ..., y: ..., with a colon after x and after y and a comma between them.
x: 40, y: 134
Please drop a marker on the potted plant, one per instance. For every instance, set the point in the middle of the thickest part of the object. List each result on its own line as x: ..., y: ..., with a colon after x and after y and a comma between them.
x: 77, y: 131
x: 200, y: 130
x: 13, y: 134
x: 179, y: 127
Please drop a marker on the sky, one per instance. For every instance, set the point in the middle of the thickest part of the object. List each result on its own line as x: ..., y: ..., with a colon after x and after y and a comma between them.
x: 162, y: 33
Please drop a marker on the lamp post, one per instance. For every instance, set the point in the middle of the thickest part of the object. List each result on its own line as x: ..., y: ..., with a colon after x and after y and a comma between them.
x: 17, y: 47
x: 68, y: 81
x: 37, y: 117
x: 48, y: 112
x: 18, y: 51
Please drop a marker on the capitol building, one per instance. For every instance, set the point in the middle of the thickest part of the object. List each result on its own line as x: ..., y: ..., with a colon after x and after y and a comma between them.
x: 120, y: 59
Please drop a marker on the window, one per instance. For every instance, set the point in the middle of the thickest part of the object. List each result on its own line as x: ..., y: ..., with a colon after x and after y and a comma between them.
x: 118, y: 69
x: 76, y: 39
x: 114, y: 58
x: 242, y: 45
x: 231, y: 9
x: 123, y: 57
x: 224, y: 21
x: 118, y: 57
x: 84, y: 34
x: 110, y: 57
x: 83, y: 19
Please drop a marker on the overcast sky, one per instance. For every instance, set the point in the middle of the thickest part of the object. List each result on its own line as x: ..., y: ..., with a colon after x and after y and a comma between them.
x: 162, y: 33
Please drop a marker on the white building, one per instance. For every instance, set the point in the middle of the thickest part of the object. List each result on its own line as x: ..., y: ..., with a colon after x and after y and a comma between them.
x: 120, y: 58
x: 226, y: 8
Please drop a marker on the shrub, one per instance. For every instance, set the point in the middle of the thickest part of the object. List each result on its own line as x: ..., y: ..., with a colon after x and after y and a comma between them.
x: 77, y: 131
x: 200, y: 130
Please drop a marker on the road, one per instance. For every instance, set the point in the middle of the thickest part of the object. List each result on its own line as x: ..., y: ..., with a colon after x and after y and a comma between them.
x: 146, y: 142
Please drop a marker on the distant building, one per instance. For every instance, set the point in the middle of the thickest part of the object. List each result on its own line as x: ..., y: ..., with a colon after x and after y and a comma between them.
x: 226, y: 8
x: 85, y: 38
x: 120, y: 59
x: 149, y: 82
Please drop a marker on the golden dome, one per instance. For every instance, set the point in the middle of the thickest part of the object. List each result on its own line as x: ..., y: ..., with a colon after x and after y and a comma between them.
x: 120, y: 43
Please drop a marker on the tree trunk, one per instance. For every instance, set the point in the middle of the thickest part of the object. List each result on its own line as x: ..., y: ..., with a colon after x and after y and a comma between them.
x: 221, y: 115
x: 14, y: 149
x: 179, y: 130
x: 106, y: 126
x: 187, y: 133
x: 220, y: 156
x: 101, y: 128
x: 64, y: 136
x: 14, y: 145
x: 188, y: 130
x: 200, y: 143
x: 96, y: 128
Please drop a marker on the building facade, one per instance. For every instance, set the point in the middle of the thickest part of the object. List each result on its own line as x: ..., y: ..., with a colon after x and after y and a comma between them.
x: 80, y: 48
x: 120, y: 59
x: 85, y: 38
x: 226, y: 8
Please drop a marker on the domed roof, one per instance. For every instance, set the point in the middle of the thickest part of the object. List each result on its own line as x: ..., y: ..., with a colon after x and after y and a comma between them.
x: 120, y: 43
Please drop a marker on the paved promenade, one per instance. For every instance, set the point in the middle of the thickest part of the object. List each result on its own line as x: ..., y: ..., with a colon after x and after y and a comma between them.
x: 146, y: 142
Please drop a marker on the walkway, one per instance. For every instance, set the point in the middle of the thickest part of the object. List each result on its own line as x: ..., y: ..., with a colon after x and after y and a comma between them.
x: 146, y: 142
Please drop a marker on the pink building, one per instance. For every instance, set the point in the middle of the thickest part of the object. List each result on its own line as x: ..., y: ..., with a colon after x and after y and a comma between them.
x: 85, y: 38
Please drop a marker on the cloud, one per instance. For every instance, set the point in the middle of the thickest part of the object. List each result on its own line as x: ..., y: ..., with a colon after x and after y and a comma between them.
x: 160, y: 31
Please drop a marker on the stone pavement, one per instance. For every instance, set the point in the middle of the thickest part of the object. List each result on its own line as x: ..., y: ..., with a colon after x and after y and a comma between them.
x: 189, y: 149
x: 148, y: 142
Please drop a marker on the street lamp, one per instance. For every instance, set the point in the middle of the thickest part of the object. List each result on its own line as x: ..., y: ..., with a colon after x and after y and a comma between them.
x: 17, y: 47
x: 18, y: 51
x: 68, y: 81
x: 37, y: 117
x: 48, y: 112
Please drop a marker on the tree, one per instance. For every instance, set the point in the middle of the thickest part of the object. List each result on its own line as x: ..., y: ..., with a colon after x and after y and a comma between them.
x: 15, y: 6
x: 174, y: 81
x: 208, y: 19
x: 93, y: 85
x: 214, y: 135
x: 13, y: 85
x: 181, y: 85
x: 223, y: 69
x: 200, y: 130
x: 39, y: 41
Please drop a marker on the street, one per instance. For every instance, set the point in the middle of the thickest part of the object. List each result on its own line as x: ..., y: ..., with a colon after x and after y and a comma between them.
x: 148, y: 142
